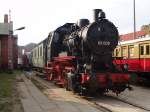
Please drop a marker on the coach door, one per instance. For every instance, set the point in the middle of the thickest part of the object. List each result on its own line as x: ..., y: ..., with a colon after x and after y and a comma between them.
x: 144, y: 56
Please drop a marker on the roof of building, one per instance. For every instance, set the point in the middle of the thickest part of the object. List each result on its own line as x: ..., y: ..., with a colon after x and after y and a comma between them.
x: 134, y: 41
x: 130, y: 36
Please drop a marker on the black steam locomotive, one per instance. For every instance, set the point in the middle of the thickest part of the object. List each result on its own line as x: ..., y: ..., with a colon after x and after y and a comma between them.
x: 79, y: 56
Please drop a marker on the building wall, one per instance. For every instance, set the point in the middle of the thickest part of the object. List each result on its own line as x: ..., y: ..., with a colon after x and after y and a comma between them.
x: 4, y: 51
x: 15, y: 51
x: 7, y: 44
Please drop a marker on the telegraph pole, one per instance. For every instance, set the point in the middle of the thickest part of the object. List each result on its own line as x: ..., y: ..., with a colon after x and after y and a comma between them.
x: 134, y: 16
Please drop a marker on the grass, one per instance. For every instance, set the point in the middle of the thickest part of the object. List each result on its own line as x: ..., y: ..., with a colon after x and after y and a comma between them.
x: 7, y: 91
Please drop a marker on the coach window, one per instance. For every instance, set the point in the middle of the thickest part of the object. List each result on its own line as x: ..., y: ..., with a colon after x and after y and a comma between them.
x: 117, y: 52
x: 124, y: 51
x: 141, y: 50
x: 34, y: 55
x: 147, y: 50
x: 0, y: 48
x: 37, y: 52
x: 113, y: 53
x: 131, y: 51
x: 41, y: 51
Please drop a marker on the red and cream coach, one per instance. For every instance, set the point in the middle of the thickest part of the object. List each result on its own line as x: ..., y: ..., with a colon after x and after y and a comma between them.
x: 136, y: 55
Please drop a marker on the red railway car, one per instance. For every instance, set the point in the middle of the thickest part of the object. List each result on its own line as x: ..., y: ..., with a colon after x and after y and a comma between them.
x: 136, y: 55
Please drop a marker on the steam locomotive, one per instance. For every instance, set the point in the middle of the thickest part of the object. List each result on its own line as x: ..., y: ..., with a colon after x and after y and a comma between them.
x: 78, y: 56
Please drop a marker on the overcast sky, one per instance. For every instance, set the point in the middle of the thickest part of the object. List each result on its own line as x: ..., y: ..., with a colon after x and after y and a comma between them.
x: 42, y: 16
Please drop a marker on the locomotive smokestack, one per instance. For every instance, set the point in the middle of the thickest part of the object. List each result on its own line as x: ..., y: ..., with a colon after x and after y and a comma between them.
x: 83, y: 22
x: 96, y: 14
x: 99, y: 14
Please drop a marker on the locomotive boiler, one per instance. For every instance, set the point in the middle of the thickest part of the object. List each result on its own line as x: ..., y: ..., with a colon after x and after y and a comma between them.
x: 80, y: 56
x: 95, y: 42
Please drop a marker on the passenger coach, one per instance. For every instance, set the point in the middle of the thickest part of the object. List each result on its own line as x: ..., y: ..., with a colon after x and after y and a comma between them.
x: 39, y: 55
x: 136, y: 55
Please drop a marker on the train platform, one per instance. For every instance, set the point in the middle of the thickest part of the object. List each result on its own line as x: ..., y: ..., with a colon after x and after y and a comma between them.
x: 33, y: 100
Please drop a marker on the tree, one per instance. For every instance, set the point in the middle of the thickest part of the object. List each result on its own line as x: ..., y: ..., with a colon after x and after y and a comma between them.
x: 146, y: 28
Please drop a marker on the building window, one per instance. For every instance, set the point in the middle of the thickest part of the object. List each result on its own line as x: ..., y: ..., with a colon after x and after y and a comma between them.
x: 141, y: 50
x: 147, y: 50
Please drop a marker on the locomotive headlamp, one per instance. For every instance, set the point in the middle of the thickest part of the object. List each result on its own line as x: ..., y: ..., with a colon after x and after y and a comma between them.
x: 125, y: 67
x: 87, y: 66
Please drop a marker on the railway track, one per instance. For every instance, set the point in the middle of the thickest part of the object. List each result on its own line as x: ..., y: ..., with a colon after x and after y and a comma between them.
x: 143, y: 108
x: 105, y: 103
x: 117, y: 105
